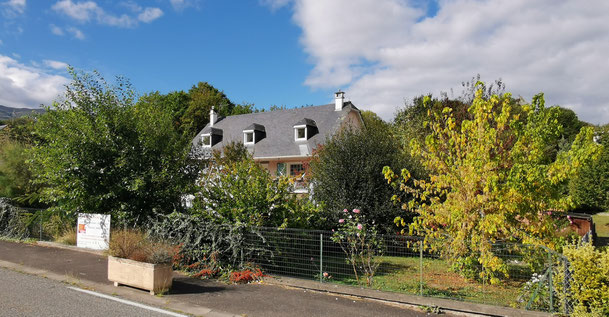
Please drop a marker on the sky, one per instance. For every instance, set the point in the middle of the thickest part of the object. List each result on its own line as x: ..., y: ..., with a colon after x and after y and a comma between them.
x: 382, y: 53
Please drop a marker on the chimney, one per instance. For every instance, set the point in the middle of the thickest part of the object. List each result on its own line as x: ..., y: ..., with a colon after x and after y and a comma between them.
x: 339, y: 100
x: 213, y: 117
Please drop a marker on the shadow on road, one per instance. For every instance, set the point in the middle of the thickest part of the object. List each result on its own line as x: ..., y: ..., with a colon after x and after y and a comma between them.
x: 183, y: 285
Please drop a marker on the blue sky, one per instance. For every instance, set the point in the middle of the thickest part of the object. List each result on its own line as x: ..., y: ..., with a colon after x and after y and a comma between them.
x: 241, y: 47
x: 298, y: 52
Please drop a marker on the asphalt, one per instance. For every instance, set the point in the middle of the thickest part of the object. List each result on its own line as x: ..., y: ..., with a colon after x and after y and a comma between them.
x: 194, y: 296
x: 30, y: 295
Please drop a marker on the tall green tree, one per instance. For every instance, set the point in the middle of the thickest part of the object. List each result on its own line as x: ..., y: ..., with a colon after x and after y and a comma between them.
x: 590, y: 187
x: 347, y: 173
x: 202, y: 97
x: 100, y: 153
x: 490, y: 180
x: 16, y: 180
x: 190, y: 110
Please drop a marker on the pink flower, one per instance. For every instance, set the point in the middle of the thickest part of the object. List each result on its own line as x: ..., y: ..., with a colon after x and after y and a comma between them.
x: 341, y: 220
x: 345, y: 210
x: 359, y: 226
x: 356, y: 211
x: 326, y: 274
x: 332, y: 230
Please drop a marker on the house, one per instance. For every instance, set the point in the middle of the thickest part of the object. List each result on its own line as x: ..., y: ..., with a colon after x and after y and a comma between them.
x: 282, y: 141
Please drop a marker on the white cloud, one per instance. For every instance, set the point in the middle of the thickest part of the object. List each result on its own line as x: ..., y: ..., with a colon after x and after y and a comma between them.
x: 150, y: 14
x: 55, y: 64
x: 13, y: 8
x: 56, y: 30
x: 383, y: 52
x: 89, y: 10
x: 180, y: 5
x: 81, y: 11
x: 274, y: 4
x: 76, y: 33
x: 25, y: 86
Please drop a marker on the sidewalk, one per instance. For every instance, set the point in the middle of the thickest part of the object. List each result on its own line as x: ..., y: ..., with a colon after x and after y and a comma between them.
x: 193, y: 296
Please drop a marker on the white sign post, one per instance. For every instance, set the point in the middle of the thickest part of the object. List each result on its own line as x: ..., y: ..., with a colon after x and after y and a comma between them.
x: 93, y: 231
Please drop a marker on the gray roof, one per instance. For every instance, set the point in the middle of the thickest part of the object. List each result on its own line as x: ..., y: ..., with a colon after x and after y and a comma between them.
x: 2, y: 126
x: 306, y: 121
x: 279, y: 126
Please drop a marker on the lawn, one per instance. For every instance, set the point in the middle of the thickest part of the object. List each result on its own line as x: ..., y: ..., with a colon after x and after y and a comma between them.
x: 601, y: 220
x: 401, y: 274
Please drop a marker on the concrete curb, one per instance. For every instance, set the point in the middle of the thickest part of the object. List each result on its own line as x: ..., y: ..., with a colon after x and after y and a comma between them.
x: 50, y: 244
x: 122, y: 292
x: 447, y: 305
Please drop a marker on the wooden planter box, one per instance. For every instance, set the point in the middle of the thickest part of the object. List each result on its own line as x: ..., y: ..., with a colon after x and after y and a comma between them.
x: 155, y: 278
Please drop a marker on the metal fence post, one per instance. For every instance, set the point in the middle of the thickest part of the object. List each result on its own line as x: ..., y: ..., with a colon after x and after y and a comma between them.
x: 40, y: 237
x: 566, y: 285
x: 321, y: 257
x: 421, y: 267
x: 550, y: 281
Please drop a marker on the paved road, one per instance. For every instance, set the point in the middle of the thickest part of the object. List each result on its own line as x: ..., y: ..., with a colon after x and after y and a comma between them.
x: 27, y: 295
x: 252, y: 300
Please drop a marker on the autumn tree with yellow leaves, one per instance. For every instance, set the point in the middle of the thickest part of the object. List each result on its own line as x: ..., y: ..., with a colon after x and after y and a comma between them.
x: 490, y: 180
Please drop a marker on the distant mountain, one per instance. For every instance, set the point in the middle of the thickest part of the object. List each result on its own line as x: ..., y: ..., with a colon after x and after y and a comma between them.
x: 9, y: 113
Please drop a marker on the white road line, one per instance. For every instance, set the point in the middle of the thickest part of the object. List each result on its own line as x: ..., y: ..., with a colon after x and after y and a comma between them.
x: 128, y: 302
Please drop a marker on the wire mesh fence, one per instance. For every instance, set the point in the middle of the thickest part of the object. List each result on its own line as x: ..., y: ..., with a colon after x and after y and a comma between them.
x: 405, y: 264
x: 536, y: 279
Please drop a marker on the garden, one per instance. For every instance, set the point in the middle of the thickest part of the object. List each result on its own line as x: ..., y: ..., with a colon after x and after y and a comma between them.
x: 465, y: 198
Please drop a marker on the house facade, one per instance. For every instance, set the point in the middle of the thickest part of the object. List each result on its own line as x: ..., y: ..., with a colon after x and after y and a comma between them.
x: 282, y: 141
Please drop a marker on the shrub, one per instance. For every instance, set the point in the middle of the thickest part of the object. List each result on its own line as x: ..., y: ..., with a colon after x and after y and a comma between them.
x: 244, y: 192
x: 245, y: 276
x: 360, y: 243
x: 346, y: 173
x: 13, y: 224
x: 589, y: 289
x: 205, y: 244
x: 138, y: 246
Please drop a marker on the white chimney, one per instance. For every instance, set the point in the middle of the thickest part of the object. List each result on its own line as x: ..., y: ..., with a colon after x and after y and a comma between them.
x: 339, y: 100
x: 213, y: 117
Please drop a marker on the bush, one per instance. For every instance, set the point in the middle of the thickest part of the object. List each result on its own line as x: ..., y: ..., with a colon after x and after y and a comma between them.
x: 245, y: 276
x: 13, y: 224
x: 589, y: 289
x: 206, y: 247
x: 360, y: 243
x: 138, y: 246
x: 243, y: 192
x: 590, y: 187
x: 347, y: 173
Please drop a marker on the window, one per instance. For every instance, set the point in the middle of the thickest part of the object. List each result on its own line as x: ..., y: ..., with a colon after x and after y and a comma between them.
x: 206, y: 140
x: 248, y: 137
x: 281, y: 169
x: 296, y: 169
x: 300, y: 133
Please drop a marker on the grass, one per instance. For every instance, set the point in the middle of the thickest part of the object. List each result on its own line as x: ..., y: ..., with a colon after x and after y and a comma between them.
x: 401, y: 274
x: 69, y: 238
x: 602, y: 224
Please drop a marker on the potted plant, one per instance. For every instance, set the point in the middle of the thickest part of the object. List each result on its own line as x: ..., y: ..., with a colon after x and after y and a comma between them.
x: 136, y: 260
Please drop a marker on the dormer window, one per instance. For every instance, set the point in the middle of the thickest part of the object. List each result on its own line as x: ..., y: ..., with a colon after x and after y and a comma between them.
x: 305, y: 129
x: 300, y: 133
x: 210, y: 137
x: 206, y: 140
x: 248, y: 137
x: 253, y: 134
